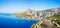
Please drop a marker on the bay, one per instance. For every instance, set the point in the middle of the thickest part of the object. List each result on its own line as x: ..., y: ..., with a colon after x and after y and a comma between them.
x: 10, y: 21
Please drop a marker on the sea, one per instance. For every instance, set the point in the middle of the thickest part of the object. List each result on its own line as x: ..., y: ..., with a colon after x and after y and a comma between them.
x: 11, y: 21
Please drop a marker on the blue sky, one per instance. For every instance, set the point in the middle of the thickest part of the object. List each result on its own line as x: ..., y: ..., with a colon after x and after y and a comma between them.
x: 17, y: 6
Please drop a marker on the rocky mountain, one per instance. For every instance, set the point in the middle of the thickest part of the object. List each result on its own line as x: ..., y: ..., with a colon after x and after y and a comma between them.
x: 49, y: 22
x: 37, y: 15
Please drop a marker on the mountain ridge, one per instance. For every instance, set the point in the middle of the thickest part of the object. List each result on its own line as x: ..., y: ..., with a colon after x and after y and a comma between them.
x: 32, y: 14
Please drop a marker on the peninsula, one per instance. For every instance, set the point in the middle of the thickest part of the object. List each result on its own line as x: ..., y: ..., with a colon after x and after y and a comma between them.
x: 49, y: 18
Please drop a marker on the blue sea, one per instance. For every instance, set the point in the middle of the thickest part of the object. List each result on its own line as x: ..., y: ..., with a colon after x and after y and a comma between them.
x: 10, y: 21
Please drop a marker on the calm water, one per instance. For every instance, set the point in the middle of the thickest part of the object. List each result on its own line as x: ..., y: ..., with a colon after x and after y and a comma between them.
x: 9, y: 21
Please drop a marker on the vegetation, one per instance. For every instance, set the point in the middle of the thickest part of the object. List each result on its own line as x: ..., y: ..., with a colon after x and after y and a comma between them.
x: 55, y: 18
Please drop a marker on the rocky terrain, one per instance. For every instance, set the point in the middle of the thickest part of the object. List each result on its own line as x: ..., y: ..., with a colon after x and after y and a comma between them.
x: 49, y: 22
x: 34, y: 15
x: 49, y: 18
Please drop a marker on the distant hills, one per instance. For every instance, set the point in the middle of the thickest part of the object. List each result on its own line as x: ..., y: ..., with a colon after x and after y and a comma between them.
x: 5, y: 14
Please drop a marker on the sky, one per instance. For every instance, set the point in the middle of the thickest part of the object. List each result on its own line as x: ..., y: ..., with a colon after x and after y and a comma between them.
x: 17, y: 6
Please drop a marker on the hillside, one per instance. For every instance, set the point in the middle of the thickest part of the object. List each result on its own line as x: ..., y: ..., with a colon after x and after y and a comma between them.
x: 37, y: 15
x: 44, y: 24
x: 49, y: 18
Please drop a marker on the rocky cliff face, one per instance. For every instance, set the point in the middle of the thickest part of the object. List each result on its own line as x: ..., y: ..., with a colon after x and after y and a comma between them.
x: 31, y: 14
